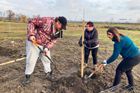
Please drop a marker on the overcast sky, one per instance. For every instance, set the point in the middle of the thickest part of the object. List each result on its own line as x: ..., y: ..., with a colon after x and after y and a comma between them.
x: 94, y: 10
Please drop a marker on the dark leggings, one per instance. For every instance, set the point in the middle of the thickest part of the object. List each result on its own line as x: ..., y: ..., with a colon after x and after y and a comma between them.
x: 94, y: 55
x: 126, y: 66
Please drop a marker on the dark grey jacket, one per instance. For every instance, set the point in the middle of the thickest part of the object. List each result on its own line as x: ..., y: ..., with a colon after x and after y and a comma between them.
x: 90, y: 39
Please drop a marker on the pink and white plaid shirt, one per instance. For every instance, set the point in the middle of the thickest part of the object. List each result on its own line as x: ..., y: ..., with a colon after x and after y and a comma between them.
x: 42, y: 28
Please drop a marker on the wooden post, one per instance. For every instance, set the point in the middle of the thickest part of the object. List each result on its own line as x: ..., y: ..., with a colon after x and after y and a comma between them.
x: 82, y: 51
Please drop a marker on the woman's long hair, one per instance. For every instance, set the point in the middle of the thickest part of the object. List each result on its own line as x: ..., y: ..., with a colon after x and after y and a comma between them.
x: 116, y: 34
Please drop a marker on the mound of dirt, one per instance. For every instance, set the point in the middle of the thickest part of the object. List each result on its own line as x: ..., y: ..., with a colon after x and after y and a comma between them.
x: 12, y: 49
x: 75, y: 84
x: 7, y: 52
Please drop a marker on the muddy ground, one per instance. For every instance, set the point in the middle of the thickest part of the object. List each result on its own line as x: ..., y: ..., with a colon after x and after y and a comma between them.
x: 66, y: 54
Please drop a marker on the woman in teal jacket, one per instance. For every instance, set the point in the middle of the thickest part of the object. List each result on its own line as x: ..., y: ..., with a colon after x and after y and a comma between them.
x: 130, y: 53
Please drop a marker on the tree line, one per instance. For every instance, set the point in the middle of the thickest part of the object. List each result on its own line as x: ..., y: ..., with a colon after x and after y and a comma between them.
x: 11, y: 16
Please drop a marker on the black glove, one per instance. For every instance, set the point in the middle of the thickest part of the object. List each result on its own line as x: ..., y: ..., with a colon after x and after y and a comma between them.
x: 84, y: 42
x: 80, y: 44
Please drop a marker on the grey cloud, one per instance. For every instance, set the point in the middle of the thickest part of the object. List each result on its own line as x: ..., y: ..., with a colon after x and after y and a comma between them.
x: 73, y: 9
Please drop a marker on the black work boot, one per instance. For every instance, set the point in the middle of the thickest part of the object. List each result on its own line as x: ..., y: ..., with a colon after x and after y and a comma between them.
x: 50, y: 77
x: 129, y: 87
x: 26, y: 80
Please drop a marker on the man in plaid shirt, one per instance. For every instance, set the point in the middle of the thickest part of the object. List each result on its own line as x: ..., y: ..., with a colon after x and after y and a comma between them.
x: 44, y: 31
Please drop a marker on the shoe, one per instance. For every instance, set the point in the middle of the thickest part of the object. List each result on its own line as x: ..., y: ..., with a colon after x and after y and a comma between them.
x: 48, y: 75
x: 113, y: 88
x: 26, y: 80
x: 129, y: 87
x: 96, y: 67
x: 85, y: 65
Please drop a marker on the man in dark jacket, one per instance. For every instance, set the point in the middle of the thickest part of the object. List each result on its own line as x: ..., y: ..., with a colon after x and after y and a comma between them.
x: 91, y: 42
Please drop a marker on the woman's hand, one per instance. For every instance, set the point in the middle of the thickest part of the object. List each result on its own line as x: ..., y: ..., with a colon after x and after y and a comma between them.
x: 104, y: 63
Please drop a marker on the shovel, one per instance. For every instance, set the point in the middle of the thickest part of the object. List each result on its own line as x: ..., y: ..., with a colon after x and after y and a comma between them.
x: 99, y: 68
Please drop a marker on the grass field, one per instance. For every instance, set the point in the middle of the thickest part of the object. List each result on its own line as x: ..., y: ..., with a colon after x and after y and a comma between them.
x: 12, y: 31
x: 16, y: 31
x: 75, y: 30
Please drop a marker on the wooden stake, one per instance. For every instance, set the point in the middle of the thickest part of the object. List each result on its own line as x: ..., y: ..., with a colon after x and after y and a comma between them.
x: 82, y: 52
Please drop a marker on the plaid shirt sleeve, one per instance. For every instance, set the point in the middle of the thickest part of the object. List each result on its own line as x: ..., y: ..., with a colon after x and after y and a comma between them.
x: 30, y: 30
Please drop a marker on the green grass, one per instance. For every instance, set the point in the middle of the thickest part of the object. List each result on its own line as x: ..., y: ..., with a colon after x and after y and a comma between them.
x: 15, y: 31
x: 12, y: 31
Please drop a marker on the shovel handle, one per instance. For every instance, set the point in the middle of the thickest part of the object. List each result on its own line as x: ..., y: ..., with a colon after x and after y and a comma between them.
x: 99, y: 68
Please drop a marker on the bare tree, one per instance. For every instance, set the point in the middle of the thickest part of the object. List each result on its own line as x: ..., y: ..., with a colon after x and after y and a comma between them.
x: 10, y: 15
